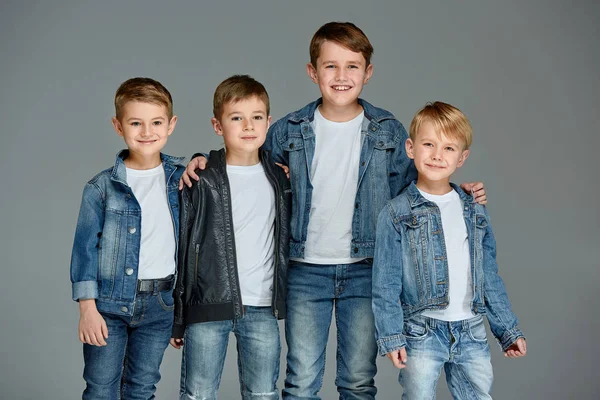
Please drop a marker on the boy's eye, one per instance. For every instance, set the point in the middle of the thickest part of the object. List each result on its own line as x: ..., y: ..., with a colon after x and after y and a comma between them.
x: 330, y: 66
x: 450, y: 148
x: 135, y: 124
x: 427, y: 145
x: 258, y: 117
x: 236, y: 118
x: 353, y: 66
x: 157, y: 122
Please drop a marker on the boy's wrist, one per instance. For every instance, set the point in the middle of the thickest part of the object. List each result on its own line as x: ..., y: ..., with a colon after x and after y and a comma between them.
x: 87, y: 304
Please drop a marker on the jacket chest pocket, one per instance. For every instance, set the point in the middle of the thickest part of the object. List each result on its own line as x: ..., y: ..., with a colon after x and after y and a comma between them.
x: 415, y: 253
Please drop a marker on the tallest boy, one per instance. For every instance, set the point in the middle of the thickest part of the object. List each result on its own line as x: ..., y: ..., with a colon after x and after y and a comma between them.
x: 346, y: 159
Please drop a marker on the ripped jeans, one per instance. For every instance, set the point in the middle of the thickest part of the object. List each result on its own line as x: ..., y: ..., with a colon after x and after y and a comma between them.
x: 258, y: 348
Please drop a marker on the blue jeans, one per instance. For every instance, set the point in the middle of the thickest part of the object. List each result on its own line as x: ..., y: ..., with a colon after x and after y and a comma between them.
x: 258, y: 348
x: 314, y: 291
x: 460, y: 347
x: 128, y: 366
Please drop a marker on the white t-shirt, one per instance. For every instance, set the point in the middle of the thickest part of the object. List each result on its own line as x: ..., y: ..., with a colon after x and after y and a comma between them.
x: 157, y: 244
x: 460, y: 286
x: 334, y: 176
x: 253, y: 209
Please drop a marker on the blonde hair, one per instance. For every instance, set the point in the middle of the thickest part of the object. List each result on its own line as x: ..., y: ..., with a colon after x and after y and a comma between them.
x: 346, y: 34
x: 447, y: 119
x: 236, y: 88
x: 145, y: 90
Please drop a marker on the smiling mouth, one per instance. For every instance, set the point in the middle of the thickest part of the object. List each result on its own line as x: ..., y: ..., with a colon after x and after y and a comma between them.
x: 147, y: 141
x: 435, y: 166
x: 248, y: 137
x: 341, y: 88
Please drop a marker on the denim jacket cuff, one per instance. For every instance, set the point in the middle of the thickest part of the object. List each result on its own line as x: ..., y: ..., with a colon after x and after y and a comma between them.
x: 85, y: 290
x: 390, y: 343
x: 509, y: 337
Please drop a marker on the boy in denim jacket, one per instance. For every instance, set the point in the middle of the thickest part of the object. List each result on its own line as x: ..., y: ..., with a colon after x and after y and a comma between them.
x: 346, y: 158
x: 435, y: 272
x: 124, y: 254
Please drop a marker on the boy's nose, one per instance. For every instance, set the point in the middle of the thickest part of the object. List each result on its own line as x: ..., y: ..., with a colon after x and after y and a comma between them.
x: 248, y: 126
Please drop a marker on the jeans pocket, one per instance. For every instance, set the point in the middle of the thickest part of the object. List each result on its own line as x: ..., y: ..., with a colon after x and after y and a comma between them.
x: 477, y: 330
x: 415, y: 329
x: 166, y: 300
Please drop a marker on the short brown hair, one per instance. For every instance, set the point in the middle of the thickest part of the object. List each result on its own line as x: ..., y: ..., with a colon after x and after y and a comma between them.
x: 346, y: 34
x: 447, y: 119
x: 237, y: 88
x: 146, y: 90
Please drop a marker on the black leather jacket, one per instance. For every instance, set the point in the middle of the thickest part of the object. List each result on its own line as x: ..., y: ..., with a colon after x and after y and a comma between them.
x: 208, y: 287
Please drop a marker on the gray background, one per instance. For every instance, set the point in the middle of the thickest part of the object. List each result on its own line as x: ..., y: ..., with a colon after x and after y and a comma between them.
x: 526, y: 73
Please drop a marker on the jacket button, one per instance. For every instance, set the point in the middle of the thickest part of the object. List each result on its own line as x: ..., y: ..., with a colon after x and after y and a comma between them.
x: 414, y: 220
x: 356, y: 249
x: 132, y: 229
x: 356, y: 205
x: 128, y: 195
x: 129, y: 271
x: 124, y: 309
x: 291, y: 145
x: 363, y: 163
x: 380, y: 144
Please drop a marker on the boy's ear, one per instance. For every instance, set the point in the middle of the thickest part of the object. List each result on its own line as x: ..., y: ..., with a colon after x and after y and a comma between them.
x: 217, y: 126
x: 312, y: 73
x: 269, y: 122
x: 172, y: 124
x: 117, y: 125
x: 410, y: 147
x: 463, y: 158
x: 368, y: 73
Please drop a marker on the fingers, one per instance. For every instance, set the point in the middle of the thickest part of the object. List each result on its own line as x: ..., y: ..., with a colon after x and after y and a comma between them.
x: 398, y: 358
x: 522, y: 344
x: 186, y: 180
x: 103, y: 334
x: 176, y: 343
x: 285, y: 168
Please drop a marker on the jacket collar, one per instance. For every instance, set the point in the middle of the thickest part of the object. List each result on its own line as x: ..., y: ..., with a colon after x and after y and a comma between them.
x: 307, y: 113
x: 416, y: 198
x: 119, y: 172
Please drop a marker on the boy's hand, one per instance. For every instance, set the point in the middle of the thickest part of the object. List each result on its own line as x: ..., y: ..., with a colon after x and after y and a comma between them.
x: 198, y: 162
x: 476, y: 189
x: 398, y: 358
x: 92, y: 327
x: 285, y: 169
x: 517, y: 349
x: 176, y: 343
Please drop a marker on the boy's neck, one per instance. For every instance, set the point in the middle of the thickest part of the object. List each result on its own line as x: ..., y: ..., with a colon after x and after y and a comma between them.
x: 139, y: 161
x: 241, y: 158
x: 335, y: 113
x: 437, y: 188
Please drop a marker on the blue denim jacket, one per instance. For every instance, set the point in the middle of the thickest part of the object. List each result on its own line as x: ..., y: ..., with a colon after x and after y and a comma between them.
x: 410, y: 268
x: 104, y: 262
x: 384, y: 171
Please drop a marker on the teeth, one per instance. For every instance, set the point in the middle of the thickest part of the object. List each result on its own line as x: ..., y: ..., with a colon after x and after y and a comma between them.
x: 341, y: 87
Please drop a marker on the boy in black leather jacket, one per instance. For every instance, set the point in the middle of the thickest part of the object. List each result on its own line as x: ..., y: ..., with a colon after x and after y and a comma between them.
x: 233, y: 253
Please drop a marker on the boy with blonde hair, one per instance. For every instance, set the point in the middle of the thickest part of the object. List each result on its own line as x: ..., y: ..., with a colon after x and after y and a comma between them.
x: 435, y: 273
x: 234, y: 252
x: 124, y: 257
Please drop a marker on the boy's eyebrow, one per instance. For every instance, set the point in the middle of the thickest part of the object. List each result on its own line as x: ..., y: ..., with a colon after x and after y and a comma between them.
x: 134, y: 118
x: 358, y: 62
x: 253, y: 112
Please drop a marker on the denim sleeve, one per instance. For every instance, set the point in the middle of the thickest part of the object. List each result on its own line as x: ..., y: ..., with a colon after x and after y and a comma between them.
x: 503, y: 322
x: 88, y: 233
x: 272, y: 143
x: 387, y: 285
x: 187, y: 215
x: 402, y: 169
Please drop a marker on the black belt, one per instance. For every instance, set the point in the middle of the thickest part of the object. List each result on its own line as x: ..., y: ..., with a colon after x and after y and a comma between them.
x: 148, y: 285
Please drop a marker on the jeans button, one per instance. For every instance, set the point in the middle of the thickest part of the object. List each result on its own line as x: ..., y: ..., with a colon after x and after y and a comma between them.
x: 124, y: 309
x: 356, y: 249
x: 132, y: 229
x: 129, y: 271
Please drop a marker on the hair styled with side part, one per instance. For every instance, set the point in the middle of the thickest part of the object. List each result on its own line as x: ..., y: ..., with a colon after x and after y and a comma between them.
x: 237, y: 88
x: 346, y: 34
x: 447, y: 119
x: 145, y: 90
